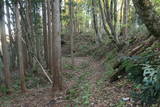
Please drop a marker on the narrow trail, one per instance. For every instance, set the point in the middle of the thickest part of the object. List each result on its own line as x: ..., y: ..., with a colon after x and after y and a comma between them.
x: 85, y: 88
x: 103, y: 93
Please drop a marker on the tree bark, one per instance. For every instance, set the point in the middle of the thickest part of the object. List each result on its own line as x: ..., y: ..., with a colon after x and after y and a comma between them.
x: 121, y: 14
x: 149, y: 16
x: 95, y: 22
x: 12, y: 55
x: 103, y: 18
x: 110, y: 20
x: 125, y: 18
x: 45, y: 32
x: 56, y: 47
x: 49, y: 34
x: 29, y: 29
x: 9, y: 23
x: 4, y: 48
x: 115, y: 14
x: 72, y: 30
x: 20, y: 50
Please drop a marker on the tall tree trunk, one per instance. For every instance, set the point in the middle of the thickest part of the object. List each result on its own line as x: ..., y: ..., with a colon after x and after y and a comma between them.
x: 71, y: 30
x: 28, y: 28
x: 20, y: 50
x: 4, y: 48
x: 115, y: 14
x: 49, y: 34
x: 121, y: 14
x: 125, y: 18
x: 31, y: 10
x: 111, y: 9
x: 110, y: 21
x: 76, y: 19
x: 148, y: 15
x: 103, y: 18
x: 45, y: 32
x: 9, y: 23
x: 95, y: 22
x: 56, y: 47
x: 12, y: 55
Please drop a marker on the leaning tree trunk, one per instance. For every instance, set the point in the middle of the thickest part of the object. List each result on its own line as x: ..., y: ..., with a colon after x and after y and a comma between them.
x: 148, y: 15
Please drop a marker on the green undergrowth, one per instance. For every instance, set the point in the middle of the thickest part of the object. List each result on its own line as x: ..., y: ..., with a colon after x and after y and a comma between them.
x: 144, y: 71
x: 36, y: 81
x: 80, y: 93
x: 120, y: 104
x: 3, y: 89
x: 71, y: 71
x: 109, y: 60
x: 32, y: 82
x: 109, y: 57
x: 6, y: 101
x: 101, y: 52
x: 83, y: 42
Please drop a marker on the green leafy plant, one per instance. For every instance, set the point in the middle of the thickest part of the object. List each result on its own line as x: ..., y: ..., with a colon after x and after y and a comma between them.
x: 3, y: 89
x: 145, y: 72
x: 69, y: 67
x: 120, y: 104
x: 150, y: 90
x: 135, y: 73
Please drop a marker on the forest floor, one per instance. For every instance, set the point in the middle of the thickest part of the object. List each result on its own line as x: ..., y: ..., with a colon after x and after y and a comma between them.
x: 86, y: 86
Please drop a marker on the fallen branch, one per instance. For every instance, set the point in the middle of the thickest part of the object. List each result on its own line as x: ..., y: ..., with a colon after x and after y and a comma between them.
x: 143, y: 46
x: 35, y: 58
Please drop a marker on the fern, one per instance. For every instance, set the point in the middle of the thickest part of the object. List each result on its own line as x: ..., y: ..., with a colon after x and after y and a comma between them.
x: 144, y: 71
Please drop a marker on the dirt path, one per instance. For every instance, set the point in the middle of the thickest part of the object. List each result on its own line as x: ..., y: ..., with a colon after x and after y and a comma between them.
x: 95, y: 90
x: 86, y: 87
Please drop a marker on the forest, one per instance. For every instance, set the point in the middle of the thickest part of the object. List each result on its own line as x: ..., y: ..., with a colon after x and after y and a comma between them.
x: 79, y: 53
